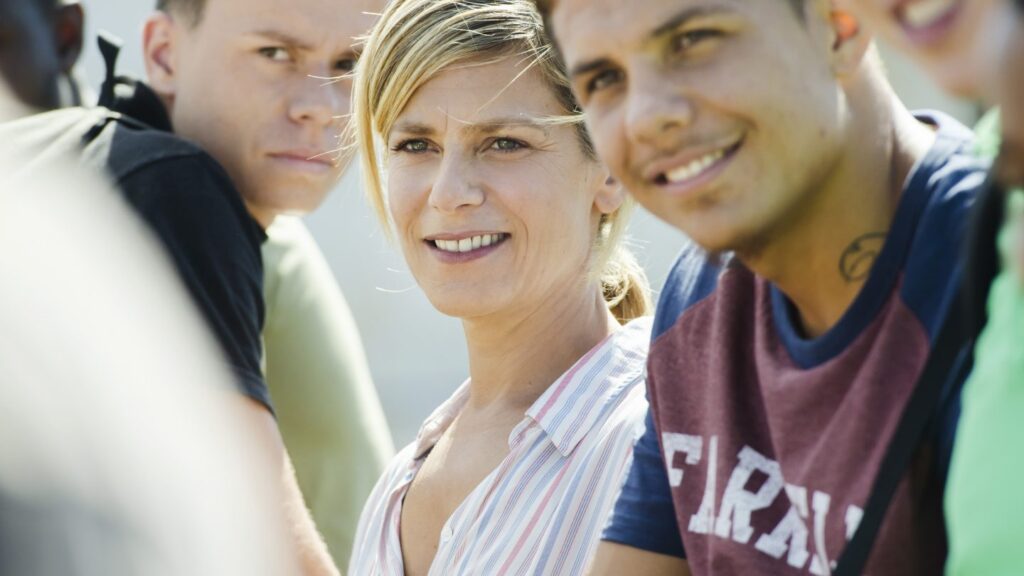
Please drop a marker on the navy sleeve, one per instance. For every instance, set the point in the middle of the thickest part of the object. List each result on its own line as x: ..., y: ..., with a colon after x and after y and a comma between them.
x: 193, y: 208
x: 644, y: 516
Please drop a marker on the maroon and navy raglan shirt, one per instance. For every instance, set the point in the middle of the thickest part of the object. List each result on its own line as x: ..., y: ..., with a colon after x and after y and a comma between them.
x: 762, y: 446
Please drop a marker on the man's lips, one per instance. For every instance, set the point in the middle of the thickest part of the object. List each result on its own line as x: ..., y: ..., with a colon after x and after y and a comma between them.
x: 689, y: 158
x: 309, y: 158
x: 691, y: 162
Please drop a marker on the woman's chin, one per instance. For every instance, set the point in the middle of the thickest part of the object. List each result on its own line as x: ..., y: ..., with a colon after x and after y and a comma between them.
x: 461, y: 308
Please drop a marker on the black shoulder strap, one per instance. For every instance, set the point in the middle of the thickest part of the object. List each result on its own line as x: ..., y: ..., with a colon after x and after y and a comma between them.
x: 982, y: 263
x: 110, y: 47
x: 947, y: 363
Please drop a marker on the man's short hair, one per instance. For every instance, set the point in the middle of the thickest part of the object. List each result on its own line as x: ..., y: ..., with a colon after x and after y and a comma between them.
x: 191, y: 10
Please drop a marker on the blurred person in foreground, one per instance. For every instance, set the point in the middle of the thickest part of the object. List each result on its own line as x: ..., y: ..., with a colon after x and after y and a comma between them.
x: 792, y: 334
x: 246, y: 82
x: 508, y: 222
x: 975, y: 49
x: 327, y: 409
x: 117, y: 458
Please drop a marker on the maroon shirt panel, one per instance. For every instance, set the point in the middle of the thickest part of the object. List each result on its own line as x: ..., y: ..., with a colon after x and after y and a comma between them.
x: 794, y: 451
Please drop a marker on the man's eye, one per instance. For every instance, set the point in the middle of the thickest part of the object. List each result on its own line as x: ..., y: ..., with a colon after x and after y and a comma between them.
x: 345, y: 65
x: 603, y: 80
x: 275, y: 53
x: 507, y: 145
x: 690, y: 39
x: 413, y: 146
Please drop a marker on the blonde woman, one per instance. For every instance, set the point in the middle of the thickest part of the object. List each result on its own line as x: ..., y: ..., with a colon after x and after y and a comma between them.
x: 508, y: 222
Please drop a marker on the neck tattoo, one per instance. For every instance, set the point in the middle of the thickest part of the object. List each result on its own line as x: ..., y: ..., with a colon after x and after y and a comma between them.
x: 857, y: 260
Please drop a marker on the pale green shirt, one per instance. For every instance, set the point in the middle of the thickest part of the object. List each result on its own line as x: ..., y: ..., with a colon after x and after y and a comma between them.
x: 984, y: 504
x: 327, y: 408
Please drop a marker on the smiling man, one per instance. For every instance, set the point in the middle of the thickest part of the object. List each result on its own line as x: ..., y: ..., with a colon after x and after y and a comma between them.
x: 825, y: 219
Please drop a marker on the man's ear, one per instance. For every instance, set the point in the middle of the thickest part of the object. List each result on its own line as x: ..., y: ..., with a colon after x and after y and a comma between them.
x: 70, y: 31
x: 850, y: 40
x: 610, y: 194
x: 159, y: 43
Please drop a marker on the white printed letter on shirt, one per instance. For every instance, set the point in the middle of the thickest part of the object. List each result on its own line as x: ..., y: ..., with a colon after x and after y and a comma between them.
x: 738, y: 502
x: 704, y: 519
x: 672, y: 443
x: 791, y: 533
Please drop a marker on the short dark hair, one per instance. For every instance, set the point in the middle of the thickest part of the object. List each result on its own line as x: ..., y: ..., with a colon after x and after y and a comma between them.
x: 192, y: 10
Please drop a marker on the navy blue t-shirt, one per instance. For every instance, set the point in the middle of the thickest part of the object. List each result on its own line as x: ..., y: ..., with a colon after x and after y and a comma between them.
x: 773, y: 440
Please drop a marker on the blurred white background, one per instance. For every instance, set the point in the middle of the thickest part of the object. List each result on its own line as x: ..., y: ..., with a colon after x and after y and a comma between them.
x: 417, y: 356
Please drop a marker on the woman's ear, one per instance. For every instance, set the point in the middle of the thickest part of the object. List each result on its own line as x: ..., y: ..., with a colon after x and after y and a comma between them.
x: 610, y: 194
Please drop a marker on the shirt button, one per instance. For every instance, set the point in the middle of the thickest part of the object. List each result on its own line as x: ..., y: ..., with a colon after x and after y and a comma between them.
x: 447, y: 533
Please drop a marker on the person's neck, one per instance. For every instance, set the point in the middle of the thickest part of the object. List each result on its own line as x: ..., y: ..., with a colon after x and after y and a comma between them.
x: 823, y: 257
x: 515, y: 357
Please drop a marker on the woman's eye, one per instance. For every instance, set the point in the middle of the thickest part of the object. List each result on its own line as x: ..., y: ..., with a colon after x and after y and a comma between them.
x: 603, y: 80
x: 692, y: 38
x: 507, y: 145
x: 414, y: 146
x: 275, y: 53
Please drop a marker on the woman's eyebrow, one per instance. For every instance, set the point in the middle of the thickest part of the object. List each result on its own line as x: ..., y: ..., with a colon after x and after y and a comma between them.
x: 413, y: 129
x: 498, y: 124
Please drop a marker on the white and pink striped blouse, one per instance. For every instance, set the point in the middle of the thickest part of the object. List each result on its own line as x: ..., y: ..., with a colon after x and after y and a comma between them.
x: 541, y: 511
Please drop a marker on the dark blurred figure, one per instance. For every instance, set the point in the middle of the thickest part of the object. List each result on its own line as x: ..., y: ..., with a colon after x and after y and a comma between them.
x: 40, y: 41
x: 984, y: 506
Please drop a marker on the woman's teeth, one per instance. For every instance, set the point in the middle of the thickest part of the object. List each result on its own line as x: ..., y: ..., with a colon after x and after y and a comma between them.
x: 468, y: 244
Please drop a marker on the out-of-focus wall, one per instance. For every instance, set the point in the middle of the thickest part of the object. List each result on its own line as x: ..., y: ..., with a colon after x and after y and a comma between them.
x: 417, y: 355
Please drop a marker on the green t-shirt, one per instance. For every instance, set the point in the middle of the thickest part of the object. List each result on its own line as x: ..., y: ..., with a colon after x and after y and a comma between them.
x: 327, y: 407
x: 984, y: 502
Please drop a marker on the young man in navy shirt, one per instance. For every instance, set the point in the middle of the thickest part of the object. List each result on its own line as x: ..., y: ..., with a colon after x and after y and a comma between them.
x: 825, y: 222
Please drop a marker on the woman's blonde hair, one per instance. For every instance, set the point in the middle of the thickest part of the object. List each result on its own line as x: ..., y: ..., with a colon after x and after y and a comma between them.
x: 415, y: 40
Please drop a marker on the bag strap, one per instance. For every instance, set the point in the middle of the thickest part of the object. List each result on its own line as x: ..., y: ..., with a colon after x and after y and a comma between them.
x: 947, y: 362
x: 982, y: 262
x: 110, y: 47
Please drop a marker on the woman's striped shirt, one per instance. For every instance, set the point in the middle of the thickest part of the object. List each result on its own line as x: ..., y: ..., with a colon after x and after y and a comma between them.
x: 541, y: 511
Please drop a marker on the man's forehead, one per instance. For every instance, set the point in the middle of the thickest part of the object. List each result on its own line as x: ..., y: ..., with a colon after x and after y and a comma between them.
x: 587, y: 29
x: 315, y: 22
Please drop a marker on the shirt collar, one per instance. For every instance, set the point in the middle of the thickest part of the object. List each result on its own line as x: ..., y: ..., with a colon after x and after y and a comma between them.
x: 574, y: 403
x: 581, y: 397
